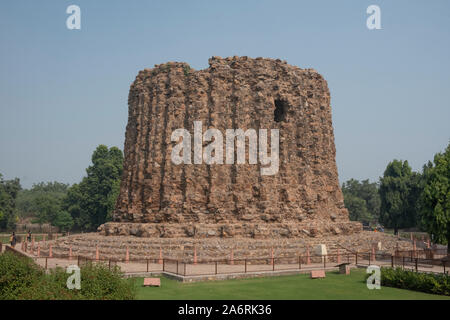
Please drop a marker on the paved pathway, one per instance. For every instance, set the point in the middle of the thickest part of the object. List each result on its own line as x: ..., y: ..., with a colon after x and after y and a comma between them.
x: 206, y: 269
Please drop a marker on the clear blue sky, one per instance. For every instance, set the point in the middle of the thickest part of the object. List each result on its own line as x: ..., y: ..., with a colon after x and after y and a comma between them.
x: 63, y: 92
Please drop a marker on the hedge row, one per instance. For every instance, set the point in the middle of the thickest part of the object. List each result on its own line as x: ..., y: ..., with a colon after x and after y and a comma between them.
x: 21, y: 278
x: 416, y: 281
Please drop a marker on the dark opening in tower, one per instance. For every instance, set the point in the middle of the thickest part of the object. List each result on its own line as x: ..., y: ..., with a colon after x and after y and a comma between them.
x: 281, y: 108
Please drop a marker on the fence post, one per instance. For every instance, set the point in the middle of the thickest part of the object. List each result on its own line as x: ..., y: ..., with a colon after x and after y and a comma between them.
x: 147, y: 264
x: 392, y: 261
x: 356, y: 255
x: 403, y: 262
x: 416, y: 263
x: 47, y: 258
x: 245, y: 262
x: 177, y: 266
x: 273, y: 264
x: 324, y: 261
x: 216, y: 266
x: 164, y: 264
x: 299, y: 262
x: 109, y: 264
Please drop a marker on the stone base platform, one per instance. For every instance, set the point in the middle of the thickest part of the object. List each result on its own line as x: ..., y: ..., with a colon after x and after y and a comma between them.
x: 208, y: 249
x: 288, y: 229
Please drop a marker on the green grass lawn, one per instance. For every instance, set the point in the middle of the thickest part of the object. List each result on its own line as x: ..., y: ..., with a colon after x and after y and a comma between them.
x: 334, y: 286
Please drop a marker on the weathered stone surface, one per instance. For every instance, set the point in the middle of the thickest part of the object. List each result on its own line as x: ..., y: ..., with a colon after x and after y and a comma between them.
x: 115, y: 247
x: 160, y: 199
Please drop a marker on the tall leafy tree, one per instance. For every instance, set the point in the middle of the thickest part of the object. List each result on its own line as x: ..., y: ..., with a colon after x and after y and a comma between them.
x: 397, y: 204
x: 362, y: 200
x: 63, y: 221
x: 47, y: 209
x: 357, y: 208
x: 416, y: 185
x: 8, y: 193
x: 29, y: 200
x: 435, y: 200
x: 91, y: 202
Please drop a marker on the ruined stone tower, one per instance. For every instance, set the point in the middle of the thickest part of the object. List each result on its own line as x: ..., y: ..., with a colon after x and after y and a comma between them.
x: 159, y: 198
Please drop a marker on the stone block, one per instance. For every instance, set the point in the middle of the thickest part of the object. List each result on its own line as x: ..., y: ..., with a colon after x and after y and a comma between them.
x: 316, y: 274
x: 152, y: 282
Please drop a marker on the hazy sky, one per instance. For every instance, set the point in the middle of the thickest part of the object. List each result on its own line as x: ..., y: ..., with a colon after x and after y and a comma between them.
x: 63, y: 92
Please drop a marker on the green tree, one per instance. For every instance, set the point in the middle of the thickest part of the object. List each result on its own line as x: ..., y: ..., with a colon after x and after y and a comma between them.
x: 357, y: 208
x: 362, y: 200
x: 8, y: 194
x: 63, y: 221
x: 397, y: 204
x: 435, y: 199
x: 415, y: 185
x: 76, y: 204
x: 27, y: 199
x: 47, y: 209
x: 91, y: 202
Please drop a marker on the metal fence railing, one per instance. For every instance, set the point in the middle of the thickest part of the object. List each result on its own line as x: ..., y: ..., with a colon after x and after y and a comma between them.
x: 427, y: 260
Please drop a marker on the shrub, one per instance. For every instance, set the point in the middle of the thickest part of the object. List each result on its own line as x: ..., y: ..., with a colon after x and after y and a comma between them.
x: 21, y: 278
x: 16, y: 275
x: 49, y: 287
x: 186, y: 70
x: 98, y: 282
x: 424, y: 282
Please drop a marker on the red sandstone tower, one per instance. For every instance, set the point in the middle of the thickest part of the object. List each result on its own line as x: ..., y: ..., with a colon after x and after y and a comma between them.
x: 159, y: 198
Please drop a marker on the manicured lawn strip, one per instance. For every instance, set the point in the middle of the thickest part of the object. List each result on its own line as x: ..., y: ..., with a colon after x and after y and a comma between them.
x: 333, y: 287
